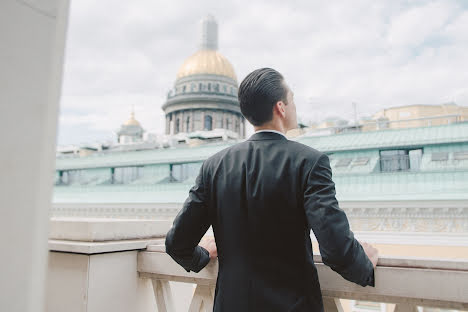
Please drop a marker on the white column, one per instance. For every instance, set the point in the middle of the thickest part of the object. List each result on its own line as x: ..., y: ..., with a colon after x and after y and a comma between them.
x: 202, y: 127
x: 32, y: 36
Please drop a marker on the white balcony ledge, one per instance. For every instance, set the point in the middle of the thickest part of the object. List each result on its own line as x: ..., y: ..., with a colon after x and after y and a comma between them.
x: 407, y: 282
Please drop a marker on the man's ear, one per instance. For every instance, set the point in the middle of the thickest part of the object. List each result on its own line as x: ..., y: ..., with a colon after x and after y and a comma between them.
x: 280, y: 109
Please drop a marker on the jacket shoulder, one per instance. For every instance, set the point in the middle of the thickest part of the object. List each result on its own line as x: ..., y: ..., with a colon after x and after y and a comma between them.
x: 305, y: 151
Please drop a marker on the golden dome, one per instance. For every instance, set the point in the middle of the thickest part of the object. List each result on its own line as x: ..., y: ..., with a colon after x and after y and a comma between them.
x: 206, y: 61
x: 132, y: 121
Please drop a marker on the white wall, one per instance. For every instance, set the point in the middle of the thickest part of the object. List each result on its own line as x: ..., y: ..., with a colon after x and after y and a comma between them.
x: 32, y: 39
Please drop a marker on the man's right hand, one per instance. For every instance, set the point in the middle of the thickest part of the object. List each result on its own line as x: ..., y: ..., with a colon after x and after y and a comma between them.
x: 371, y: 252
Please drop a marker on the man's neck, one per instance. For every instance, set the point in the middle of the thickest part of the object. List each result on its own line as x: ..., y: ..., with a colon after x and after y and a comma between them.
x: 270, y: 127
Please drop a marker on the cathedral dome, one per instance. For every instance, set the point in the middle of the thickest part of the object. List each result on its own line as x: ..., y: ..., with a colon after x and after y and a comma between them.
x: 207, y: 61
x: 204, y: 95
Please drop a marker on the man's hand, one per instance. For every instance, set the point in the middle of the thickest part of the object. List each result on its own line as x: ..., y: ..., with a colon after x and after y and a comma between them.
x: 371, y: 252
x: 209, y: 244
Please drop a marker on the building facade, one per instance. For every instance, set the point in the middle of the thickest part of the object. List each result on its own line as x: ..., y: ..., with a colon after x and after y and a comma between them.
x: 417, y: 115
x: 204, y: 96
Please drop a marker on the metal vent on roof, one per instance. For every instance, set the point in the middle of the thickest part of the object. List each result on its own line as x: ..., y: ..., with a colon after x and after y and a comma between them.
x: 441, y: 156
x: 460, y: 155
x: 361, y: 161
x: 343, y: 162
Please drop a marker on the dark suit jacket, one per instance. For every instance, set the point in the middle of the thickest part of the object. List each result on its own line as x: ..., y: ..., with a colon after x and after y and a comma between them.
x: 262, y: 197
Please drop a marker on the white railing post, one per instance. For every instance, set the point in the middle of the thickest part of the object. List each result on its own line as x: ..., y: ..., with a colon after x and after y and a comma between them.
x: 202, y: 299
x: 163, y: 295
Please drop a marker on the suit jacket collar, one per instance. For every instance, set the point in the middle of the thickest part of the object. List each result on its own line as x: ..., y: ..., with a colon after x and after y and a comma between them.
x: 266, y: 135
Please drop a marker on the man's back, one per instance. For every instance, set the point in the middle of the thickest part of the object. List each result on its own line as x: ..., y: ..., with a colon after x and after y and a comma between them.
x: 262, y: 197
x: 260, y: 228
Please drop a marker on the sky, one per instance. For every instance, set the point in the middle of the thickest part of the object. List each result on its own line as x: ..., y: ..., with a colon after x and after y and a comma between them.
x: 374, y: 53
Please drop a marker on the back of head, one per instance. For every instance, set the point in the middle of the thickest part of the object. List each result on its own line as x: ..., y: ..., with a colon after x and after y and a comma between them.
x: 259, y: 92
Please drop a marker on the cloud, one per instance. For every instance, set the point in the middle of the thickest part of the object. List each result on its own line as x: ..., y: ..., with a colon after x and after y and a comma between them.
x: 414, y: 26
x: 375, y: 53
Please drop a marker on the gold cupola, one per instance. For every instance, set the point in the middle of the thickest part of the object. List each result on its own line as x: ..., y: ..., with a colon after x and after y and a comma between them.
x: 132, y: 121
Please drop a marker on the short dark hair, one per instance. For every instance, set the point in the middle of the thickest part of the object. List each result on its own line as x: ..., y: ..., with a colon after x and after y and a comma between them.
x: 258, y: 94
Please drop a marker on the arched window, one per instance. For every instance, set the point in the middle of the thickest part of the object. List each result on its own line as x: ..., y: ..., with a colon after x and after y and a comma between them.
x: 184, y: 88
x: 216, y: 87
x: 209, y: 86
x: 200, y: 87
x: 228, y: 123
x: 187, y: 124
x: 237, y: 125
x: 208, y: 123
x: 177, y: 125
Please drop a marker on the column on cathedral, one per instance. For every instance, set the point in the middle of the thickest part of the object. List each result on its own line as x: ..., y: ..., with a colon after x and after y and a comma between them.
x: 167, y: 124
x: 202, y: 120
x: 191, y: 120
x: 182, y: 122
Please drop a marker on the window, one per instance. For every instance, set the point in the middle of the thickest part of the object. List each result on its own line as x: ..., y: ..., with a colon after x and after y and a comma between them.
x: 440, y: 156
x: 400, y: 160
x: 125, y: 175
x: 361, y: 161
x: 182, y: 172
x: 460, y: 155
x: 70, y: 177
x: 343, y: 162
x: 208, y: 123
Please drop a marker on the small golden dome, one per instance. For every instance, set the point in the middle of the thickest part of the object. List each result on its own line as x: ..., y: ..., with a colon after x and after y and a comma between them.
x: 206, y: 61
x: 132, y: 121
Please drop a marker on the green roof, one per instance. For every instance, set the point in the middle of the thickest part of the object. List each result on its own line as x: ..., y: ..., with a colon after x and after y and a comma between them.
x: 391, y: 138
x: 436, y: 185
x: 158, y: 156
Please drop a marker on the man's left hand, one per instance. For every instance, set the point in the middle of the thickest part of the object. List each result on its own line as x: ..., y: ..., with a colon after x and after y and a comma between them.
x: 209, y: 244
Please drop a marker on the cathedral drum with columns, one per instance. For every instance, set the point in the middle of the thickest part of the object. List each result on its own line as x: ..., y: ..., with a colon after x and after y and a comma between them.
x: 204, y: 96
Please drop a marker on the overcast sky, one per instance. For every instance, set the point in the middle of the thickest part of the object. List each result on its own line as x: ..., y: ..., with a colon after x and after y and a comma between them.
x: 375, y: 53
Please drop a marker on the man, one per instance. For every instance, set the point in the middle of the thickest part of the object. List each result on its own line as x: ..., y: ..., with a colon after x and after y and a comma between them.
x: 262, y: 197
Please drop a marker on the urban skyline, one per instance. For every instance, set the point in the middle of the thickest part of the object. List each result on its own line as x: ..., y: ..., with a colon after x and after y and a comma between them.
x: 331, y: 56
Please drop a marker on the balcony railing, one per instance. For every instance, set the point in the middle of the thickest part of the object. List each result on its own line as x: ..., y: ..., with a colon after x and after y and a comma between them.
x: 406, y: 282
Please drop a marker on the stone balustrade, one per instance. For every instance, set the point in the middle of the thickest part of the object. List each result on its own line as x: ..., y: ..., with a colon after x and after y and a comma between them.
x: 121, y: 265
x: 406, y: 282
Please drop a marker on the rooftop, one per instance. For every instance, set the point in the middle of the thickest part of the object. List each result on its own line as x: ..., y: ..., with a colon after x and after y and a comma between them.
x: 381, y: 139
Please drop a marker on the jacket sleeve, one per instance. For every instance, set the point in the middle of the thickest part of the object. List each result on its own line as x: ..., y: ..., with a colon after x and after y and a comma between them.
x: 338, y: 247
x: 189, y: 226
